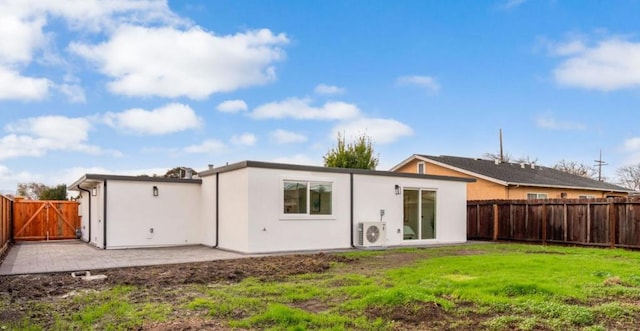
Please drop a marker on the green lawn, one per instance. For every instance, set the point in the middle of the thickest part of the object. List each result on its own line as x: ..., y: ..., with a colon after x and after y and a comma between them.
x: 488, y: 286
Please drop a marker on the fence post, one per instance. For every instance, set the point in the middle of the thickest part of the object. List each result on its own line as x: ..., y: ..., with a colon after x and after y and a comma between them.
x: 588, y: 222
x: 612, y: 224
x: 478, y: 220
x: 544, y: 223
x: 564, y: 223
x: 495, y: 221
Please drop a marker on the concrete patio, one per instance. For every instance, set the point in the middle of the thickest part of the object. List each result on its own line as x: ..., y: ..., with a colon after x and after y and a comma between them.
x: 73, y: 255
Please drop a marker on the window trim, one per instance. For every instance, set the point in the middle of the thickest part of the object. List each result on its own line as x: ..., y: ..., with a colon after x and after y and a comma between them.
x: 546, y: 196
x: 424, y: 168
x: 307, y: 215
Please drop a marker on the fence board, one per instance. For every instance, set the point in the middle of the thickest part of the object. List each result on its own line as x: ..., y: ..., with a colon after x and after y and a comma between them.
x: 590, y: 222
x: 6, y: 214
x: 45, y: 220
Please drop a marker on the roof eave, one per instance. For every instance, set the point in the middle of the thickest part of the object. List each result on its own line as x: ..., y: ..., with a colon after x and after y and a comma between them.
x: 464, y: 171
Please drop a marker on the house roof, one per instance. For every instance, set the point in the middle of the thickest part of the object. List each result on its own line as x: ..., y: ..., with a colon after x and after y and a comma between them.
x: 506, y: 173
x: 283, y: 166
x: 92, y: 179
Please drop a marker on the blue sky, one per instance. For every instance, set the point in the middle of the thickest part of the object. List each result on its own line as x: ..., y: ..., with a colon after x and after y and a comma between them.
x: 133, y: 87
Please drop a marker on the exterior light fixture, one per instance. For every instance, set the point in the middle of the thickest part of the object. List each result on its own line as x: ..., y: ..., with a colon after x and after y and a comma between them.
x: 155, y: 191
x: 94, y: 191
x: 397, y: 189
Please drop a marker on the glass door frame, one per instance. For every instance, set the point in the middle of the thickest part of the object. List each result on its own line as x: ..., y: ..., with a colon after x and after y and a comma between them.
x: 418, y: 232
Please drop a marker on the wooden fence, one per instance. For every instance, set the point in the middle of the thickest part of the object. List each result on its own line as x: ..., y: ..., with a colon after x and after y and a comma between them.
x: 6, y: 220
x: 45, y: 219
x: 590, y: 222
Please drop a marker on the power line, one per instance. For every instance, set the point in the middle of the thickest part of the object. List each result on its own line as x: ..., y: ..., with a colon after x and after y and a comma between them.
x: 600, y: 164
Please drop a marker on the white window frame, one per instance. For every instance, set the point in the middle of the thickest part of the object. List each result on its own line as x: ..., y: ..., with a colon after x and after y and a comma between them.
x: 538, y: 195
x: 586, y: 196
x: 307, y: 215
x: 424, y: 168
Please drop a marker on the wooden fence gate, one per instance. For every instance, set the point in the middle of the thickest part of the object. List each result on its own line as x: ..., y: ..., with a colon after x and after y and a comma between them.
x: 45, y: 219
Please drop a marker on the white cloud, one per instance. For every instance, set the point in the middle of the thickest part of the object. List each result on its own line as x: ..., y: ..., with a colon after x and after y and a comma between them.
x: 22, y: 24
x: 168, y: 62
x: 173, y: 117
x: 13, y: 86
x: 297, y: 159
x: 74, y: 93
x: 37, y: 135
x: 20, y: 34
x: 232, y: 106
x: 609, y: 65
x: 632, y: 144
x: 551, y: 123
x: 510, y: 4
x: 285, y: 137
x: 380, y: 130
x: 9, y: 179
x: 209, y: 146
x: 301, y: 109
x: 328, y: 89
x: 245, y: 139
x: 426, y: 82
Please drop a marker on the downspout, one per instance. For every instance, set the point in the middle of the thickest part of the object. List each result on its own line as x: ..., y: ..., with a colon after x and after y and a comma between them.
x: 217, y: 212
x: 89, y: 194
x: 351, y: 207
x: 104, y: 218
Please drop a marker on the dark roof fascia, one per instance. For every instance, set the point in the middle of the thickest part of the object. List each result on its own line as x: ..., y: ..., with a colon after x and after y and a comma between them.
x: 99, y: 177
x: 284, y: 166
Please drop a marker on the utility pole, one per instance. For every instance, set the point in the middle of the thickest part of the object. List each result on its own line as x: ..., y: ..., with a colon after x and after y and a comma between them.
x: 501, y: 152
x: 599, y: 164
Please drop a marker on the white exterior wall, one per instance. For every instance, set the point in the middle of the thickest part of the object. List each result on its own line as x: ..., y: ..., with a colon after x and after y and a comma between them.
x: 233, y: 212
x: 83, y: 210
x: 373, y: 193
x: 208, y: 211
x: 174, y: 215
x: 97, y: 225
x: 270, y: 230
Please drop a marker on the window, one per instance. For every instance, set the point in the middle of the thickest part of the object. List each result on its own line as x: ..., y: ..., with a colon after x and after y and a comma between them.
x: 307, y: 198
x: 421, y: 167
x: 587, y: 197
x: 533, y: 196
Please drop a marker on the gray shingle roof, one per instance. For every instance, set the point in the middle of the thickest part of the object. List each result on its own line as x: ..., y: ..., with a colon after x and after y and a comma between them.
x: 514, y: 173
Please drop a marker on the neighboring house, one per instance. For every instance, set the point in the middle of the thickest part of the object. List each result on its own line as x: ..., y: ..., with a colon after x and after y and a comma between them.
x: 497, y: 180
x: 256, y: 207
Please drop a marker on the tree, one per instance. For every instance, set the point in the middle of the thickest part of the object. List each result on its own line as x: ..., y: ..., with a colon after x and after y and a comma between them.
x: 629, y: 176
x: 507, y: 157
x: 575, y: 168
x: 39, y: 191
x: 58, y: 192
x: 355, y: 155
x: 179, y: 172
x: 31, y: 190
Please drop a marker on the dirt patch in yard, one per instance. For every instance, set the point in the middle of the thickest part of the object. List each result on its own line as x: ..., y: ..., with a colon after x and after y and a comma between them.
x: 37, y: 286
x: 428, y: 316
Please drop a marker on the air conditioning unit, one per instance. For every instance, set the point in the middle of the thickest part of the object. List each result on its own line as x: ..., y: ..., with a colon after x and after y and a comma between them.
x: 371, y: 234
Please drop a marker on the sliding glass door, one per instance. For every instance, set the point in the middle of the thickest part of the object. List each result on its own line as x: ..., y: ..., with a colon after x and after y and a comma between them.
x: 419, y: 214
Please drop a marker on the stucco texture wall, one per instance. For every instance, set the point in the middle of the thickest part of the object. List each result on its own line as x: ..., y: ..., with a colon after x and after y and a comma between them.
x: 480, y: 190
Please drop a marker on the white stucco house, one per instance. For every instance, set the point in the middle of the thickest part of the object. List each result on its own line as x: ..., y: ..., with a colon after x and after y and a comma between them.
x: 256, y: 207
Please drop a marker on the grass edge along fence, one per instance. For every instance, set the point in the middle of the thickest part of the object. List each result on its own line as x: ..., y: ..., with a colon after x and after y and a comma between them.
x: 610, y: 222
x: 6, y: 222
